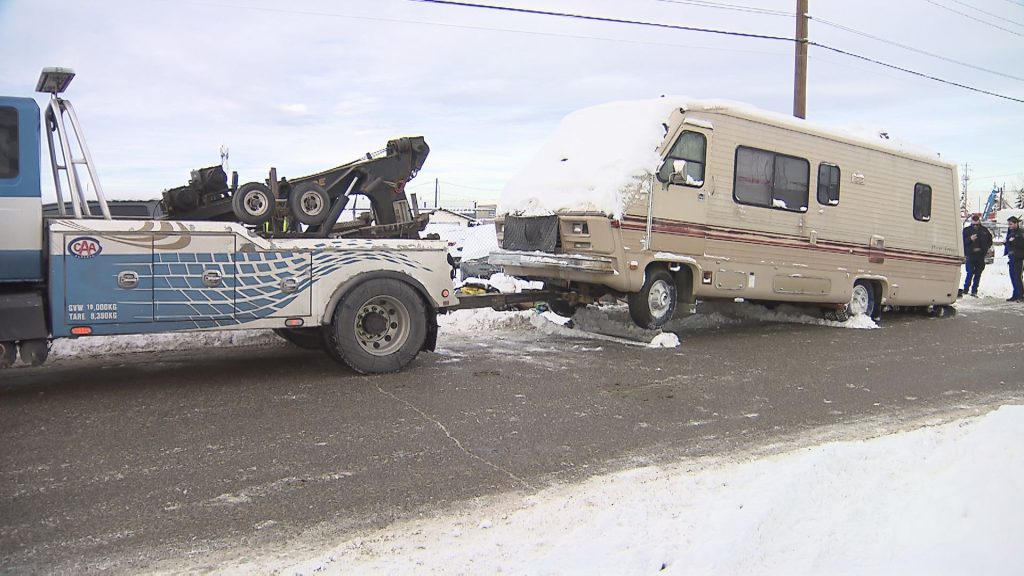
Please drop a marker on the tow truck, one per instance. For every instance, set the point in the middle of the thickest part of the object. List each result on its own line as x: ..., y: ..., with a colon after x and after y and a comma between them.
x: 268, y: 254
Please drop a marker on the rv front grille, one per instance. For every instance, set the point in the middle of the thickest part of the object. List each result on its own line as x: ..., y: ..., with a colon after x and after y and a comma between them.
x: 531, y: 233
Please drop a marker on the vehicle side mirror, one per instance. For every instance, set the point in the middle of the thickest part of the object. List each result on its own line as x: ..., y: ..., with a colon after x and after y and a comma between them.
x: 678, y: 175
x: 672, y: 172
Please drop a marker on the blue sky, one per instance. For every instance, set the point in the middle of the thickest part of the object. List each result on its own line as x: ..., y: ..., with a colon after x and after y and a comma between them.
x: 307, y: 84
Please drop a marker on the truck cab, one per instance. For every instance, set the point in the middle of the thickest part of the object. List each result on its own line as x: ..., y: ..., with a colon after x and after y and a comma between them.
x: 21, y: 252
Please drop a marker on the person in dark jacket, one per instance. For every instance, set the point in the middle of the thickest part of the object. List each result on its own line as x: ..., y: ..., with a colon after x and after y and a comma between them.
x: 977, y: 241
x: 1014, y: 250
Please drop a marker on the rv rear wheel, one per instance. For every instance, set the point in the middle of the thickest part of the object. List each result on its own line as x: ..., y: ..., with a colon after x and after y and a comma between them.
x: 862, y: 302
x: 379, y: 326
x: 654, y: 304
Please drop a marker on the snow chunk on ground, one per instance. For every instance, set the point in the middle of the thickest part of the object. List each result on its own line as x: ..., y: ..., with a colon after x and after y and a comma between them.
x: 664, y: 340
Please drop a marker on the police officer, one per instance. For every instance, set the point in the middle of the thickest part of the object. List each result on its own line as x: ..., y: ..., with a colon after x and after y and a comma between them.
x: 1014, y: 250
x: 977, y: 241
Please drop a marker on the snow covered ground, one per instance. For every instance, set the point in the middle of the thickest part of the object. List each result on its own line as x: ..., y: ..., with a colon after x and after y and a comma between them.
x: 941, y: 499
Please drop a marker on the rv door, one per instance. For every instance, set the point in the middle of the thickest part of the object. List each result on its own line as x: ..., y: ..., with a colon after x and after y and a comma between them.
x: 680, y: 193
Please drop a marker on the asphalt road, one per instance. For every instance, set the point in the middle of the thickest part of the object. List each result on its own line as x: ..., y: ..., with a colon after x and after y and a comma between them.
x: 185, y: 460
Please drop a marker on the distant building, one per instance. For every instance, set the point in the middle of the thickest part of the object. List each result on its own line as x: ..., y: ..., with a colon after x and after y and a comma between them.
x: 452, y: 217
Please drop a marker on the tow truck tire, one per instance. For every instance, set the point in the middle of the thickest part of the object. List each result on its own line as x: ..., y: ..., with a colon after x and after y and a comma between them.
x: 655, y: 303
x: 253, y: 203
x: 8, y: 354
x: 308, y: 338
x: 309, y: 203
x: 34, y: 352
x: 379, y: 326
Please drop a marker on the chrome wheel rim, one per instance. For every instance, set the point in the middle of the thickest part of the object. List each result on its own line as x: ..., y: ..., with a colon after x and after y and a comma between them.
x: 382, y: 325
x: 255, y: 203
x: 312, y: 203
x: 860, y: 301
x: 659, y: 298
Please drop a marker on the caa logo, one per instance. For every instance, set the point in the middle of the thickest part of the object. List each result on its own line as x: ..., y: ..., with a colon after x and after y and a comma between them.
x: 84, y: 247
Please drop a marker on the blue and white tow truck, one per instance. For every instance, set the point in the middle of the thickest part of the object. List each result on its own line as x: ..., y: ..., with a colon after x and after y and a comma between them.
x: 261, y: 255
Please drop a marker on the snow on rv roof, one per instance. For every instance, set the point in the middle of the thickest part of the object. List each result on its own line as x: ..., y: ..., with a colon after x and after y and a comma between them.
x: 593, y: 155
x: 597, y: 153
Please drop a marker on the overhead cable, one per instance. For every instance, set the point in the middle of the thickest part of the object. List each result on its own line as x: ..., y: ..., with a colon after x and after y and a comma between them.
x: 662, y: 25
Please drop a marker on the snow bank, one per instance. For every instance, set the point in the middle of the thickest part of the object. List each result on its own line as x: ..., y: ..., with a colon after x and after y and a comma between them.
x: 937, y: 500
x: 593, y: 160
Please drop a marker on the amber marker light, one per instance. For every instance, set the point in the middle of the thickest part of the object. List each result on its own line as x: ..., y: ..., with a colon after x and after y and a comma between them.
x: 81, y: 330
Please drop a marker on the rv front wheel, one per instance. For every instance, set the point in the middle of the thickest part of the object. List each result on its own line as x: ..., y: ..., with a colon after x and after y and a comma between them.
x: 654, y: 304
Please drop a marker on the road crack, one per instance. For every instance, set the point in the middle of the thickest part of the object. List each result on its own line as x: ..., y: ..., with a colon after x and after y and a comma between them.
x: 455, y: 440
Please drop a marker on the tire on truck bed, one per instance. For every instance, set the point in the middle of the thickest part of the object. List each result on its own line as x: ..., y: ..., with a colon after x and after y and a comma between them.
x: 379, y: 326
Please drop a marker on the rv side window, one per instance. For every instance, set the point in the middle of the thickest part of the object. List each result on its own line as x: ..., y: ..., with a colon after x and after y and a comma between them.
x: 922, y: 202
x: 828, y: 184
x: 764, y: 178
x: 691, y: 149
x: 8, y: 142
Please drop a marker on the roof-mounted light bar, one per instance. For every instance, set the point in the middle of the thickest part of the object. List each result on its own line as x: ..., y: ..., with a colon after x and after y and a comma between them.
x: 54, y: 80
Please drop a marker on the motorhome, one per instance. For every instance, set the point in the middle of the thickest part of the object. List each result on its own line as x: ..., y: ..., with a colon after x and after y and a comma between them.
x: 718, y: 200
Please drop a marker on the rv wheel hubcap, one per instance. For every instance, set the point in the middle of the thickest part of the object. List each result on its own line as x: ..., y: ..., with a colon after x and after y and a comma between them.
x: 658, y: 299
x: 860, y: 301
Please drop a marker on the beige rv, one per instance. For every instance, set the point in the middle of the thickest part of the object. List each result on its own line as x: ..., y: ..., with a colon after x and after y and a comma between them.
x: 753, y: 205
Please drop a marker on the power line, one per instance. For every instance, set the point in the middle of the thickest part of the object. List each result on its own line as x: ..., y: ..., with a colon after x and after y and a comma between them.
x: 1014, y: 32
x: 606, y: 19
x: 915, y: 73
x: 216, y: 4
x: 470, y: 187
x: 912, y: 49
x: 996, y: 16
x: 735, y: 7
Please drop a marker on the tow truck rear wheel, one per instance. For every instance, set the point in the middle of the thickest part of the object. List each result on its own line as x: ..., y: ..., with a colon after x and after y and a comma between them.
x: 379, y: 326
x: 34, y: 352
x: 309, y: 203
x: 654, y: 304
x: 253, y: 203
x: 8, y: 354
x: 308, y: 338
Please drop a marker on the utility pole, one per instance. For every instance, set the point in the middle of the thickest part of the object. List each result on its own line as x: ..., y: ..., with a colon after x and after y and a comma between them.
x: 800, y: 68
x: 965, y: 177
x: 437, y: 192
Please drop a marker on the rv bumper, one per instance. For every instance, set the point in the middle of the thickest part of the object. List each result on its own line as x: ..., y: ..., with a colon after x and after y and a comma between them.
x: 559, y: 262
